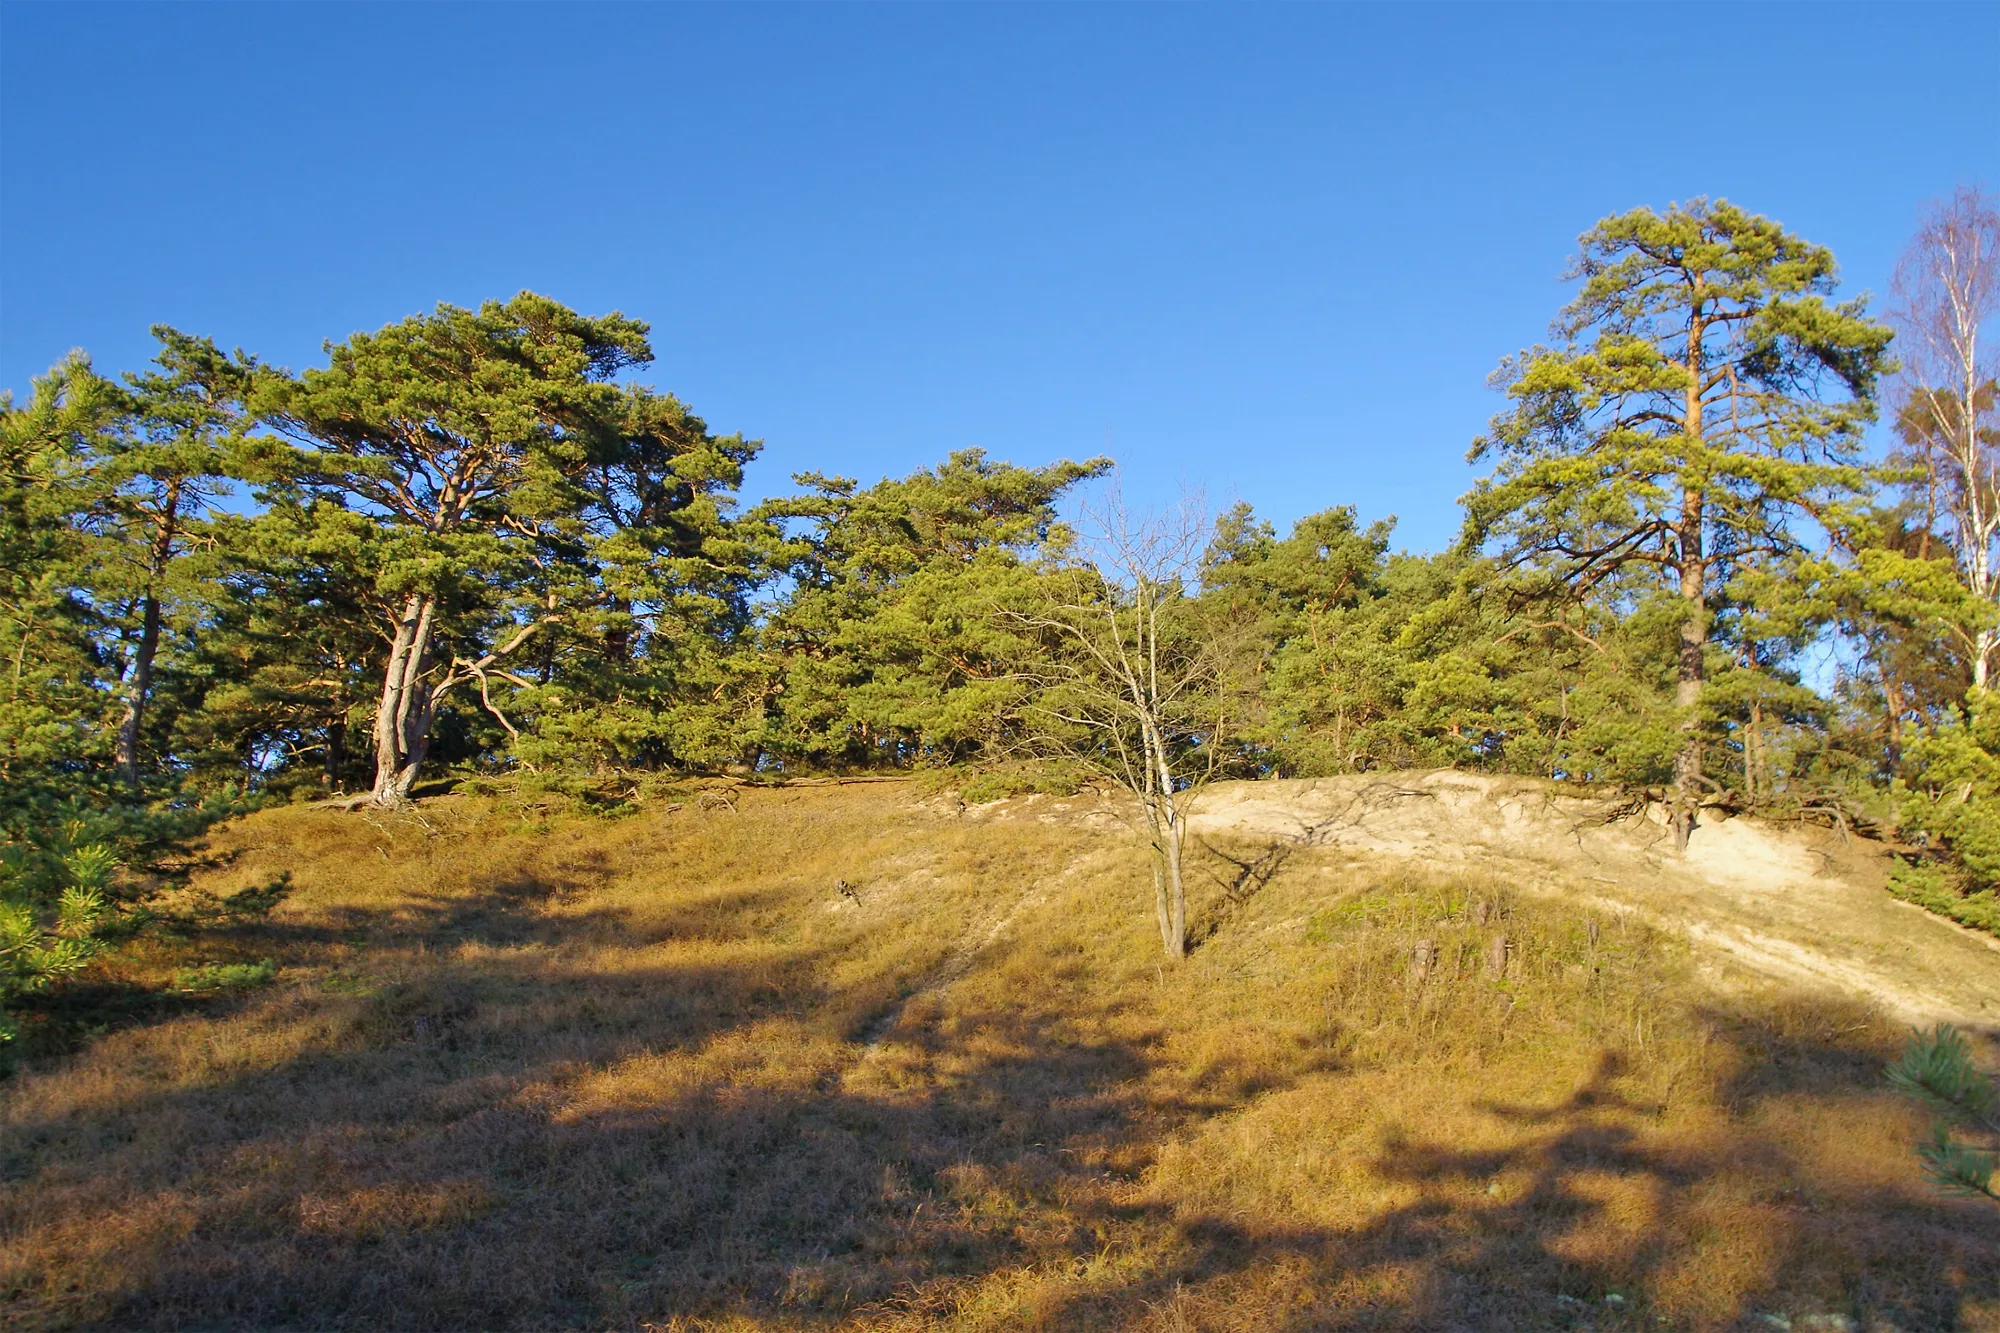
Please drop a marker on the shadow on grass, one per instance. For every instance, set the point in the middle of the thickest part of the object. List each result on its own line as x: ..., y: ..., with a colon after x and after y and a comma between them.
x: 1238, y: 875
x: 513, y: 1138
x: 506, y: 914
x: 1503, y: 1238
x: 64, y: 1018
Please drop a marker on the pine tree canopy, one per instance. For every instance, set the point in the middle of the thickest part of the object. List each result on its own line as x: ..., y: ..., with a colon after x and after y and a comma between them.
x: 472, y: 543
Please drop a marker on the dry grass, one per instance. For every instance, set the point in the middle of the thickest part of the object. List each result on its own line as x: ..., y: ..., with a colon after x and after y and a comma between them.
x: 659, y: 1074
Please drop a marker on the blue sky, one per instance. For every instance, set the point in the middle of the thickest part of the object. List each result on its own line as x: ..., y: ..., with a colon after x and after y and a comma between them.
x: 1268, y: 252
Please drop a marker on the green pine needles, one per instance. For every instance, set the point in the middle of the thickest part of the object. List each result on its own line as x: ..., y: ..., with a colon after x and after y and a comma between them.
x: 48, y: 935
x: 1701, y: 415
x: 1937, y: 1072
x: 471, y: 546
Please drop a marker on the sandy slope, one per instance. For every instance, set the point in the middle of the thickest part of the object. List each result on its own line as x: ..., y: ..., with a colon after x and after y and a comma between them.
x: 1786, y: 903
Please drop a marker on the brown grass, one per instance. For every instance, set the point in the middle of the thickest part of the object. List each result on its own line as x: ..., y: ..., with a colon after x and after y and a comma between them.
x: 659, y: 1074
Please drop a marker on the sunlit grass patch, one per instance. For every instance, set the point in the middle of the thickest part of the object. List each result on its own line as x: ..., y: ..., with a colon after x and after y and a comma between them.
x: 661, y: 1072
x: 225, y: 976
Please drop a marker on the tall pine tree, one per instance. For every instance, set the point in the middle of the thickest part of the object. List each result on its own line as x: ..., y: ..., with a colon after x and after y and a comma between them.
x: 478, y: 440
x: 1704, y: 409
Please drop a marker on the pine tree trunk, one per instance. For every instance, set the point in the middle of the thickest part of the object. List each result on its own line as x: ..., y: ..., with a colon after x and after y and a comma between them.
x: 1689, y: 678
x: 1892, y: 700
x: 403, y: 719
x: 137, y: 689
x: 1693, y: 559
x: 1753, y: 753
x: 336, y: 755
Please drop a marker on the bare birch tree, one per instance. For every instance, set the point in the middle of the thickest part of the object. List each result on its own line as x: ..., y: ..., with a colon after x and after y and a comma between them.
x: 1130, y: 678
x: 1946, y: 288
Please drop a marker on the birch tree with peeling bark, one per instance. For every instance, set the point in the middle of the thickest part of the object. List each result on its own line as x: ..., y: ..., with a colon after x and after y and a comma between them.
x: 1702, y: 416
x: 471, y: 437
x: 1945, y: 292
x: 1131, y: 679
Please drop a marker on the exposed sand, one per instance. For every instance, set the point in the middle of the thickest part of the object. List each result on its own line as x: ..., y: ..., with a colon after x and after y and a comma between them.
x: 1788, y: 903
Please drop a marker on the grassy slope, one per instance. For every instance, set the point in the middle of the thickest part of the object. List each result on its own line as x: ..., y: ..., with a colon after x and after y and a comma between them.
x: 659, y: 1073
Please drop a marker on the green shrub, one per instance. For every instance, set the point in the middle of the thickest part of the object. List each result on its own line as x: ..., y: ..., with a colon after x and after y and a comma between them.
x: 1948, y: 891
x: 41, y: 944
x: 1951, y: 794
x: 1046, y: 779
x: 1937, y: 1071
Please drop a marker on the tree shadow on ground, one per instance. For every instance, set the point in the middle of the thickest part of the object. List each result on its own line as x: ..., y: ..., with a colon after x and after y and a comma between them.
x: 1586, y: 1221
x: 515, y: 1137
x: 1237, y: 874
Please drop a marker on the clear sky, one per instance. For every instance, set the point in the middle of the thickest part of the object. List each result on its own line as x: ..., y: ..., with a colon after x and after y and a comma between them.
x: 1269, y: 252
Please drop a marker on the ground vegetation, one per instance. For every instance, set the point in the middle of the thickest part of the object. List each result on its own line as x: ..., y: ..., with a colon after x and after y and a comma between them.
x: 474, y: 552
x: 665, y: 1071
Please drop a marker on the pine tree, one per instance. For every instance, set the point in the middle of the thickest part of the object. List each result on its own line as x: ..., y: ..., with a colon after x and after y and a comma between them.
x: 890, y: 644
x: 58, y: 702
x: 474, y: 438
x: 156, y: 473
x: 1704, y: 408
x: 650, y: 668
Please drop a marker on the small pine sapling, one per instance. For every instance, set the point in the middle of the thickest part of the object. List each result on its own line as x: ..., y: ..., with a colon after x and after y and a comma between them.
x: 1937, y: 1071
x: 34, y: 950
